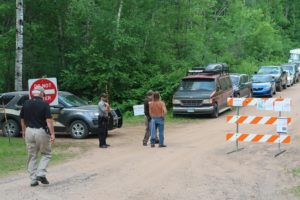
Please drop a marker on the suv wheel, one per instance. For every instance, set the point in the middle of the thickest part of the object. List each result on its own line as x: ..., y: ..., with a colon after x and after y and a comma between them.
x: 11, y: 128
x: 215, y: 113
x: 79, y: 129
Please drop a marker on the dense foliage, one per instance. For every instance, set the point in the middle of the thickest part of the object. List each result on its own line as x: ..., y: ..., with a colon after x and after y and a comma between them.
x: 131, y: 46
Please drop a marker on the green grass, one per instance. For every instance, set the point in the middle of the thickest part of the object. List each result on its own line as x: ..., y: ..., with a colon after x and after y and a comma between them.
x: 139, y: 120
x: 13, y: 154
x: 296, y: 190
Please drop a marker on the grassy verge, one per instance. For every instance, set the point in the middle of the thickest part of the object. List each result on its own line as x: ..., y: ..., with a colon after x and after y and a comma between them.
x: 296, y: 190
x: 13, y: 154
x: 139, y: 120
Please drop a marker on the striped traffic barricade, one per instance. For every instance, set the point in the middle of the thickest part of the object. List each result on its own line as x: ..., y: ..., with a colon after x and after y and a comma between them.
x: 274, y: 104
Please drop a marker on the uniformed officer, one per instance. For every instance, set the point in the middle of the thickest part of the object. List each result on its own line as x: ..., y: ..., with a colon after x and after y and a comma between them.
x: 38, y: 131
x: 103, y: 108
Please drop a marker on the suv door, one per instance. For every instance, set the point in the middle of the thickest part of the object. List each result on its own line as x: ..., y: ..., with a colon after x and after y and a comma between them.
x: 226, y: 87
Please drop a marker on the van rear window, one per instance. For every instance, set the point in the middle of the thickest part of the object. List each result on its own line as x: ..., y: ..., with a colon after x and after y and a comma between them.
x: 198, y: 84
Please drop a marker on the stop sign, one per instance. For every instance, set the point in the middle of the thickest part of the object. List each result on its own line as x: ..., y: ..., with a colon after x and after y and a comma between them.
x: 50, y: 87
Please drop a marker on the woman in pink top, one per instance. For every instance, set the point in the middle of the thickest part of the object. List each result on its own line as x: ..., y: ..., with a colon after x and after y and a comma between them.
x: 157, y: 110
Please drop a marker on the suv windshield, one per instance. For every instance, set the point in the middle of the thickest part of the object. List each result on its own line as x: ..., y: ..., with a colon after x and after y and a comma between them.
x: 72, y: 101
x: 235, y: 80
x: 289, y: 68
x: 261, y: 79
x: 197, y: 84
x: 269, y: 70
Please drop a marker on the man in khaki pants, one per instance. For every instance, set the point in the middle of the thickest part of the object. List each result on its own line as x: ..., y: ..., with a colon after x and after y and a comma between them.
x: 38, y: 131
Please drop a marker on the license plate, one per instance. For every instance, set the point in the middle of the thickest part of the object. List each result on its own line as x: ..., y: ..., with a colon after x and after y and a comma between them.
x: 190, y: 110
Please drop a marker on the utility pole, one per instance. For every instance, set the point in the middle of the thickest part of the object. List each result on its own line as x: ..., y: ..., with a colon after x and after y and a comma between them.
x: 19, y: 45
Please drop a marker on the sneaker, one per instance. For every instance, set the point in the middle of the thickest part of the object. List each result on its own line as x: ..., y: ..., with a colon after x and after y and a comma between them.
x: 144, y: 144
x: 103, y: 146
x: 152, y: 145
x: 162, y: 145
x: 34, y: 183
x: 42, y: 179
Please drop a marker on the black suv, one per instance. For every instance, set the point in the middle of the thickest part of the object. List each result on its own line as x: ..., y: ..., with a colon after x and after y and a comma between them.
x: 203, y: 91
x: 72, y: 115
x: 242, y: 85
x: 278, y: 73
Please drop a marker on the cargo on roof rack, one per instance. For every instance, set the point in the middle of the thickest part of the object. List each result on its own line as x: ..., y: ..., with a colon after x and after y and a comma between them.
x: 216, y: 68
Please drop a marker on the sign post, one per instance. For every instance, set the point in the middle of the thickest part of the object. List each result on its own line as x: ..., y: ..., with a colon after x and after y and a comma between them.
x: 50, y: 87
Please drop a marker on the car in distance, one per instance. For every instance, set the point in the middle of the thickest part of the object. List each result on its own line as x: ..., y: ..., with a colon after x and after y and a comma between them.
x: 290, y: 78
x: 278, y: 73
x: 72, y: 115
x: 242, y: 85
x: 263, y: 85
x: 293, y: 69
x: 203, y: 91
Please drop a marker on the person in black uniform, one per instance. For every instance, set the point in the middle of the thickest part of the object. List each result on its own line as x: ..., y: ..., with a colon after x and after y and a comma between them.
x: 38, y: 131
x: 147, y: 117
x: 103, y: 108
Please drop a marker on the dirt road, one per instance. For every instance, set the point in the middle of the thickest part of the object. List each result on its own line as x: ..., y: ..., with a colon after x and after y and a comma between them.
x: 194, y: 166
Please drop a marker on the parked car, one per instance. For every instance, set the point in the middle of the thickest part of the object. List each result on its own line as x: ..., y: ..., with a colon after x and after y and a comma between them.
x: 263, y: 85
x: 293, y: 69
x: 278, y: 73
x: 290, y: 78
x: 242, y: 85
x: 72, y: 115
x: 203, y: 91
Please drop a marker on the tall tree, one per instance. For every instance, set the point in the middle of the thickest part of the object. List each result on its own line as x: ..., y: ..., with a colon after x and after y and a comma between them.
x: 19, y: 45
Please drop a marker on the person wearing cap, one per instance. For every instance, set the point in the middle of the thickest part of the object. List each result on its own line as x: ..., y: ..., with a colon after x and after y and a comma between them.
x: 103, y: 108
x: 147, y: 117
x: 38, y: 131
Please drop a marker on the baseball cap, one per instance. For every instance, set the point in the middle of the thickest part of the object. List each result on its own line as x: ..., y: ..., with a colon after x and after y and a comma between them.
x: 38, y: 89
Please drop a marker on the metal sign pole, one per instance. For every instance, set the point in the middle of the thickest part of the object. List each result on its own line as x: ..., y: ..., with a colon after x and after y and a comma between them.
x: 237, y: 129
x: 279, y: 133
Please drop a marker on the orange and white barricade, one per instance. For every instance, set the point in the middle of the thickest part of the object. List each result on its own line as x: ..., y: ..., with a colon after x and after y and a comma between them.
x: 275, y: 104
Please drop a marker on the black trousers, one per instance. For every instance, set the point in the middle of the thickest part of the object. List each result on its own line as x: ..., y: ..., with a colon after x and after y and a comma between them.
x: 102, y: 134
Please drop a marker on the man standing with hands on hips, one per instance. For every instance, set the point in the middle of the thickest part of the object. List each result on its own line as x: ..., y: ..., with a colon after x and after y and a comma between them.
x: 38, y: 131
x: 103, y: 108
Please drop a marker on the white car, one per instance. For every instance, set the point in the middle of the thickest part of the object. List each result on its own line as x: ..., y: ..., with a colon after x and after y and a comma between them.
x: 290, y: 78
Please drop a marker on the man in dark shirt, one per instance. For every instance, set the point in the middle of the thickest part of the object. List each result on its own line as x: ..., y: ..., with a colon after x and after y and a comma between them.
x: 38, y: 131
x: 147, y: 117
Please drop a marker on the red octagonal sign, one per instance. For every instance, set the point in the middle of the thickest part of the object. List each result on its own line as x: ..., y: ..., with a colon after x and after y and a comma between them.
x: 50, y: 87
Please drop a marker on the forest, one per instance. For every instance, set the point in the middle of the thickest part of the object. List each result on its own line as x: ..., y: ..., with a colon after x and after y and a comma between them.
x: 131, y: 46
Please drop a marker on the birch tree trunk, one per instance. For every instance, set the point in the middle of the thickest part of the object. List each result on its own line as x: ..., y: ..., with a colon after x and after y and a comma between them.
x: 119, y: 15
x: 19, y: 45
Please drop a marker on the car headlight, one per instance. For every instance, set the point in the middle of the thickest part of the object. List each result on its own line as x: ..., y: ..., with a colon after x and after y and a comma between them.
x: 207, y: 101
x: 176, y: 101
x: 93, y: 114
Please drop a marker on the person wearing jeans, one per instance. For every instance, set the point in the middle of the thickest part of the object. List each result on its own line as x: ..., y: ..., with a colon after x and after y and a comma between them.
x: 157, y: 110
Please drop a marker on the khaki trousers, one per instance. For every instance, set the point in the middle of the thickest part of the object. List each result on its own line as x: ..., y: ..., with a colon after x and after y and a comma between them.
x: 37, y: 141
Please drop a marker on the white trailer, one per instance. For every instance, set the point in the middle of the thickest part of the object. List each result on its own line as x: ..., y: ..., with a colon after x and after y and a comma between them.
x: 294, y: 56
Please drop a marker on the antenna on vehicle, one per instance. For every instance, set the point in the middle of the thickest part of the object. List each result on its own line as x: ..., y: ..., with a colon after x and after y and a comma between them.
x: 5, y: 119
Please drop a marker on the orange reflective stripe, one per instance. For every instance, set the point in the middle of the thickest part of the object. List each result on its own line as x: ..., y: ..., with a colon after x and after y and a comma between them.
x: 230, y: 101
x: 271, y: 120
x: 242, y: 137
x: 256, y: 120
x: 257, y: 138
x: 229, y: 117
x: 229, y: 135
x: 287, y: 140
x: 241, y: 119
x: 273, y: 138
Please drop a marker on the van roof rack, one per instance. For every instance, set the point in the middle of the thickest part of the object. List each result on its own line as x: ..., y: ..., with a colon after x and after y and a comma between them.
x: 216, y: 68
